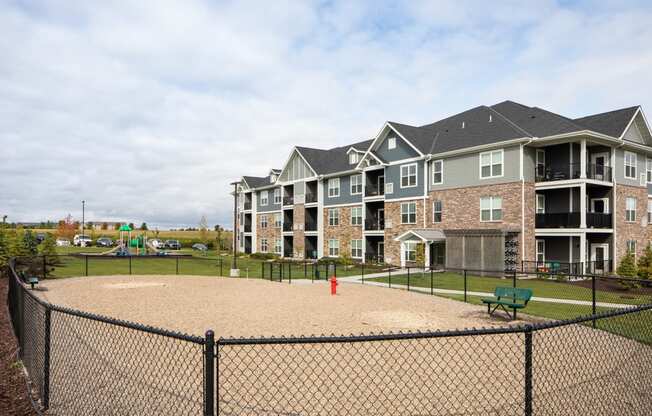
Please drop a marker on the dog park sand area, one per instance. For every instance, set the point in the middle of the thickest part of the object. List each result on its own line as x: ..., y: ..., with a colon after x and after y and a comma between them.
x: 254, y: 307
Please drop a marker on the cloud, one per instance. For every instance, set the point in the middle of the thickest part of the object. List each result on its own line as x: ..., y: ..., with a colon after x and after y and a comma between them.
x: 148, y: 110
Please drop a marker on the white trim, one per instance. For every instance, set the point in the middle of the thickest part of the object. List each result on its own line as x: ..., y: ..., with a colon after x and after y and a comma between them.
x: 631, y: 121
x: 406, y: 198
x: 416, y: 175
x: 408, y: 213
x: 536, y: 249
x: 391, y: 143
x: 404, y: 161
x: 379, y: 135
x: 276, y: 211
x: 536, y: 205
x: 432, y: 164
x: 328, y: 187
x: 351, y: 184
x: 492, y: 209
x: 266, y: 198
x: 606, y: 205
x: 361, y: 216
x: 328, y: 217
x: 285, y: 165
x: 483, y: 147
x: 625, y: 165
x: 491, y: 164
x: 348, y: 204
x: 361, y: 240
x: 441, y: 211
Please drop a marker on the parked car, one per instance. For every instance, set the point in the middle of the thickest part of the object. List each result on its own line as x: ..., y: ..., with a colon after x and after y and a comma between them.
x: 62, y: 242
x: 40, y: 237
x: 81, y: 240
x: 156, y: 243
x: 173, y: 244
x: 104, y: 242
x: 199, y: 247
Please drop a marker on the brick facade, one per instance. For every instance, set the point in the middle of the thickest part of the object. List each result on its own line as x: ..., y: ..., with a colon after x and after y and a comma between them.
x: 270, y: 232
x: 298, y: 234
x: 636, y: 230
x: 345, y: 232
x: 394, y: 228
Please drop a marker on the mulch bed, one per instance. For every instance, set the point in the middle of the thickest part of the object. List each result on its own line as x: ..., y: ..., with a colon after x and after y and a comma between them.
x: 14, y: 399
x: 614, y: 286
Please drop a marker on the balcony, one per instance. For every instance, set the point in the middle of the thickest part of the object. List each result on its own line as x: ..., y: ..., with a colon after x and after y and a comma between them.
x: 247, y: 228
x: 311, y: 254
x: 572, y: 171
x: 558, y: 220
x: 311, y: 197
x: 373, y: 191
x: 288, y: 200
x: 598, y: 220
x: 247, y: 205
x: 287, y: 226
x: 374, y: 225
x: 311, y: 226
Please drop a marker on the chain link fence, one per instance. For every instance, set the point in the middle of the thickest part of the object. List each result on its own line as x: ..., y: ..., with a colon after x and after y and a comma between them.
x: 80, y: 363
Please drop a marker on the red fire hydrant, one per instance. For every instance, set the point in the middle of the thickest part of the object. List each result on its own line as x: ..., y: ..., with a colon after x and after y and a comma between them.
x: 333, y: 285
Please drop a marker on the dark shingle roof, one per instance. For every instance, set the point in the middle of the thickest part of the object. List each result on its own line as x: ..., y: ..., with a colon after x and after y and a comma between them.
x: 536, y: 121
x: 333, y: 160
x: 257, y: 181
x: 612, y: 123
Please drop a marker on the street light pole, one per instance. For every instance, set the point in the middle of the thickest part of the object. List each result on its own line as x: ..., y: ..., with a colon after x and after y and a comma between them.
x: 234, y: 265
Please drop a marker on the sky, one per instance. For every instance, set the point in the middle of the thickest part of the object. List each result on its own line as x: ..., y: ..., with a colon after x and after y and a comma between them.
x: 148, y: 110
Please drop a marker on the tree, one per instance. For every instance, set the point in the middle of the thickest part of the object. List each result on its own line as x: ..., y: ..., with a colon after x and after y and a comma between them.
x: 420, y: 255
x: 203, y: 229
x: 645, y: 263
x: 132, y: 226
x: 117, y: 225
x: 105, y: 226
x: 66, y: 228
x: 627, y: 266
x: 219, y: 230
x: 30, y: 245
x: 143, y: 226
x: 4, y: 248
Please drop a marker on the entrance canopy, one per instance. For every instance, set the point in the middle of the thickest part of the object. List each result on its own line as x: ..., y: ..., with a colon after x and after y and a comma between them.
x: 423, y: 234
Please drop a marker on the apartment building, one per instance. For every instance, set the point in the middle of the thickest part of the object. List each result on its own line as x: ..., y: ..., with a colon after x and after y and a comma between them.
x: 492, y: 187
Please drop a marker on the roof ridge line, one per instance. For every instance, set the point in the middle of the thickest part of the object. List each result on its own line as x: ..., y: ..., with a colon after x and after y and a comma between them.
x: 510, y: 122
x: 434, y: 141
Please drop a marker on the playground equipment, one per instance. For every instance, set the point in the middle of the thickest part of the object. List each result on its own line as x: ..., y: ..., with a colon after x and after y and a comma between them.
x: 125, y: 237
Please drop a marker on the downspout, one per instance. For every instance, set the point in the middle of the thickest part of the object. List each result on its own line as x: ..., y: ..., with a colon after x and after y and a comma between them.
x: 523, y: 198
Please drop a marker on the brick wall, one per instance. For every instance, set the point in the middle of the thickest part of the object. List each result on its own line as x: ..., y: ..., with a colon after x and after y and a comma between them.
x: 298, y: 234
x: 345, y: 232
x: 270, y: 232
x: 393, y: 218
x: 631, y: 230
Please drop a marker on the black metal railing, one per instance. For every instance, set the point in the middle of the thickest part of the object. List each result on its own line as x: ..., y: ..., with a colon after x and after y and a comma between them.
x: 311, y: 197
x: 373, y: 191
x: 247, y: 205
x: 311, y: 254
x: 572, y: 171
x: 374, y: 258
x: 288, y: 253
x: 558, y: 220
x: 551, y: 267
x: 311, y: 226
x: 598, y: 220
x: 598, y: 172
x: 287, y: 226
x: 247, y: 228
x: 372, y: 224
x: 288, y: 200
x: 603, y: 267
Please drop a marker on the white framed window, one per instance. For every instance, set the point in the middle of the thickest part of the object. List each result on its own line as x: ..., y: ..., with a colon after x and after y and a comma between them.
x: 491, y: 164
x: 263, y: 221
x: 356, y: 249
x: 541, y: 251
x: 277, y: 196
x: 648, y: 170
x: 333, y: 216
x: 410, y: 251
x: 491, y: 208
x: 409, y: 213
x: 436, y: 211
x: 356, y: 216
x: 391, y: 143
x: 437, y: 172
x: 263, y: 245
x: 356, y: 184
x: 541, y: 162
x: 630, y: 209
x: 333, y: 248
x: 272, y: 178
x: 278, y: 246
x: 630, y: 165
x: 541, y: 204
x: 334, y: 187
x: 649, y: 212
x: 264, y: 198
x: 389, y: 188
x: 354, y: 158
x: 409, y: 175
x: 277, y: 221
x: 631, y: 247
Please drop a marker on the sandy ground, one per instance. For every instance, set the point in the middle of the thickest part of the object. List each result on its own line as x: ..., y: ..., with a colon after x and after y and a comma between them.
x: 103, y: 369
x: 254, y: 307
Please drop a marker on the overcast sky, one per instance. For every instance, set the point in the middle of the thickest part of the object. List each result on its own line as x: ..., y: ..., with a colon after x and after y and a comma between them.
x: 148, y: 110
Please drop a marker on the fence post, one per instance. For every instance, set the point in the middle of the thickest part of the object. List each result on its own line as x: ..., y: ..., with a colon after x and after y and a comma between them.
x: 362, y: 264
x: 305, y: 269
x: 389, y: 271
x: 593, y: 298
x: 177, y: 264
x: 464, y: 285
x: 209, y: 374
x: 45, y: 270
x: 528, y: 370
x: 408, y: 279
x: 86, y: 264
x: 221, y: 268
x: 290, y: 273
x: 431, y: 288
x: 129, y: 264
x: 514, y: 278
x: 46, y: 359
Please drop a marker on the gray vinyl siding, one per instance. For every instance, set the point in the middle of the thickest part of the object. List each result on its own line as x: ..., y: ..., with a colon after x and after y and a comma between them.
x: 402, y: 150
x: 529, y: 163
x: 270, y: 205
x: 393, y: 175
x: 464, y: 170
x: 345, y: 193
x: 620, y: 169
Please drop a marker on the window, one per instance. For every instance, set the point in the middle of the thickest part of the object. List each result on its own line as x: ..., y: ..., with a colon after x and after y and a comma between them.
x: 334, y: 187
x: 648, y: 169
x: 264, y: 198
x: 263, y: 221
x: 409, y: 175
x: 437, y: 172
x: 389, y: 188
x: 272, y: 178
x: 541, y: 163
x: 278, y: 246
x: 410, y: 251
x: 630, y: 165
x: 356, y: 216
x: 491, y: 208
x: 263, y: 245
x: 391, y: 143
x: 541, y: 204
x: 541, y: 251
x: 631, y: 247
x: 630, y: 209
x: 333, y: 248
x: 354, y: 158
x: 409, y: 213
x: 356, y: 184
x: 356, y: 249
x: 649, y: 212
x: 277, y: 220
x: 436, y: 211
x: 491, y: 164
x: 277, y: 196
x: 333, y: 216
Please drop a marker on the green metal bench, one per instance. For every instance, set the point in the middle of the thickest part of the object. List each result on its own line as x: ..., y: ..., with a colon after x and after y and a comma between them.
x: 32, y: 280
x: 508, y: 297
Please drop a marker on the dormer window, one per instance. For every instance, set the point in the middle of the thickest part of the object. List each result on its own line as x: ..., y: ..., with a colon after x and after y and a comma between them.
x: 272, y: 178
x: 391, y: 143
x: 354, y: 158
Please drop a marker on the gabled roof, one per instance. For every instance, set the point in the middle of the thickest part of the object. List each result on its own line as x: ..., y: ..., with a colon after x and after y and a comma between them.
x: 333, y: 160
x: 257, y: 181
x: 612, y: 123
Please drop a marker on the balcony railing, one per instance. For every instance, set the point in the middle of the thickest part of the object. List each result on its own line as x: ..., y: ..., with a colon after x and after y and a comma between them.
x: 288, y: 200
x: 572, y: 171
x: 551, y: 266
x: 311, y: 254
x: 374, y: 258
x: 287, y: 253
x: 247, y: 205
x: 374, y: 225
x: 599, y: 267
x: 287, y: 226
x: 247, y: 228
x: 558, y: 220
x: 373, y: 191
x: 311, y: 226
x: 311, y: 197
x: 598, y: 220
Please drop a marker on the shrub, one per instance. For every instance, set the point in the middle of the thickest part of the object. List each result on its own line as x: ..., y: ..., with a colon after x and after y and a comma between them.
x: 627, y: 268
x: 264, y: 256
x: 645, y: 263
